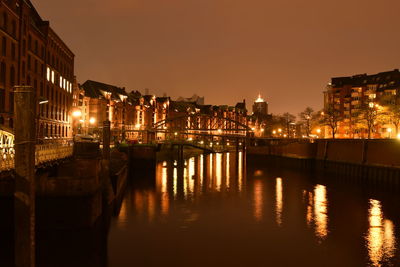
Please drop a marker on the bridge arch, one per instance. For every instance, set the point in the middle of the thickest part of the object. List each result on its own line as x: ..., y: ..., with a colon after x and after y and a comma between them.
x: 202, y: 122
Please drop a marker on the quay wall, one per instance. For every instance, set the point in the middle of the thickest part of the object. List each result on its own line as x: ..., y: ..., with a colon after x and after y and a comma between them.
x: 374, y: 152
x: 375, y: 162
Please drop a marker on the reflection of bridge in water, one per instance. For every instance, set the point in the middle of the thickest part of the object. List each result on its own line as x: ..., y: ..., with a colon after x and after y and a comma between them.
x: 193, y: 176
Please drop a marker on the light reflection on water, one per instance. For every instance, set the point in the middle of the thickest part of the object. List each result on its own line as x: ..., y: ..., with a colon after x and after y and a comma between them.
x: 380, y: 238
x: 219, y: 195
x: 258, y: 200
x: 320, y: 211
x: 279, y: 201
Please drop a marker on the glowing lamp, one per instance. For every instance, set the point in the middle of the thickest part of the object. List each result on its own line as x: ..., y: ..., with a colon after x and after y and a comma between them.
x: 77, y: 113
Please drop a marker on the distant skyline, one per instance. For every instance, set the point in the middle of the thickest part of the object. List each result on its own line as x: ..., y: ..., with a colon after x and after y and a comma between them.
x: 228, y: 50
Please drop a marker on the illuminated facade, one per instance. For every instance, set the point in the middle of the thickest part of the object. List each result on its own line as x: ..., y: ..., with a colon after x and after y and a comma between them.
x: 348, y: 95
x: 260, y: 119
x: 260, y: 106
x: 33, y: 54
x: 99, y: 103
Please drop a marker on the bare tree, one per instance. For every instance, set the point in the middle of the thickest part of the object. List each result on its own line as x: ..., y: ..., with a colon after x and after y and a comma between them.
x: 369, y: 115
x: 392, y: 111
x: 306, y: 117
x: 394, y: 115
x: 331, y: 118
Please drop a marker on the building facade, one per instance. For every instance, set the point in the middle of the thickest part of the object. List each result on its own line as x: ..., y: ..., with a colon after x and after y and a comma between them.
x: 361, y: 102
x: 33, y: 54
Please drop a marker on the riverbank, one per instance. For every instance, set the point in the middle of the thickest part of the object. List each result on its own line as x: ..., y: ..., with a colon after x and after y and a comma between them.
x: 373, y: 161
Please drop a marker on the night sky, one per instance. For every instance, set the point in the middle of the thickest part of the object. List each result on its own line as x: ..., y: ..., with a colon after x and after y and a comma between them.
x: 228, y: 50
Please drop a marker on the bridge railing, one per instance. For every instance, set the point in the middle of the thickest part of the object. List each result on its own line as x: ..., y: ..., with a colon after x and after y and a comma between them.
x: 43, y: 153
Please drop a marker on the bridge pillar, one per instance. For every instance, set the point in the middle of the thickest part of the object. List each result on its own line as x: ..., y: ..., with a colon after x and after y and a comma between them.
x: 24, y: 195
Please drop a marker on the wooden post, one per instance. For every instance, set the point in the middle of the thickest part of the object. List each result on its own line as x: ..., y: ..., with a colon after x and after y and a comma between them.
x: 24, y: 196
x: 106, y: 139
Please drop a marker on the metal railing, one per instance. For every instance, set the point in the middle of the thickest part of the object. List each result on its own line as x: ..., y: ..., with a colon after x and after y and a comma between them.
x: 43, y: 153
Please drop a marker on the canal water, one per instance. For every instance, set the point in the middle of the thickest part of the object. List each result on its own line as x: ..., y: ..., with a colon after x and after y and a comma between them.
x: 221, y: 210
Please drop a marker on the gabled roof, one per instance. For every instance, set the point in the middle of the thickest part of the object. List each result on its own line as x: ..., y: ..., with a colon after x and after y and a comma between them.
x: 94, y: 89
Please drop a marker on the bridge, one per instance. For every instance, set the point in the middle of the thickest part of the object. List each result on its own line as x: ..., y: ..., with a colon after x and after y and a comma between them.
x: 204, y: 131
x: 45, y: 153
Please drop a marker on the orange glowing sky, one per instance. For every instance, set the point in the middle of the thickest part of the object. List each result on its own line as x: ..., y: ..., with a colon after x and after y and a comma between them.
x: 228, y: 50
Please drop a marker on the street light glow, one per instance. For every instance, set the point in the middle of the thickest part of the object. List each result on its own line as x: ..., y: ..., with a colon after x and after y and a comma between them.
x: 77, y: 113
x: 92, y: 120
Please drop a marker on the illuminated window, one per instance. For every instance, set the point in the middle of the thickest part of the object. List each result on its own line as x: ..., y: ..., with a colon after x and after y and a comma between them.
x: 48, y: 74
x: 61, y: 81
x: 52, y: 76
x: 64, y: 83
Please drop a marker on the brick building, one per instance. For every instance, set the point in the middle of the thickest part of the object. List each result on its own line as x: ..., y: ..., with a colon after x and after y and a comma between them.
x: 348, y: 96
x: 33, y: 54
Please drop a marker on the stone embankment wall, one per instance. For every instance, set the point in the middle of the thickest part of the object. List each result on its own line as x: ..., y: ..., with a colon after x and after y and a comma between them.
x: 374, y: 152
x: 376, y: 161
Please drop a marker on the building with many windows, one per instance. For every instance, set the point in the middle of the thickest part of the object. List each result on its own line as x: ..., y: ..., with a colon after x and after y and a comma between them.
x: 363, y: 99
x: 33, y: 54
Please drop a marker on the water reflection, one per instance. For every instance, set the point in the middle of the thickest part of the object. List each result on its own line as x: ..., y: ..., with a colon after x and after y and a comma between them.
x: 198, y: 175
x: 258, y: 200
x: 279, y: 201
x: 320, y: 211
x: 122, y: 218
x: 240, y: 171
x: 381, y: 236
x: 317, y: 210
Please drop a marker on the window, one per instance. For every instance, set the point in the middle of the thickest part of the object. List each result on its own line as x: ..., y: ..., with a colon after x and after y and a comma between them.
x: 24, y: 47
x: 36, y: 47
x: 3, y: 73
x: 2, y: 100
x: 52, y: 76
x: 61, y: 81
x: 48, y: 74
x: 13, y: 51
x: 29, y: 42
x: 14, y: 28
x: 12, y: 76
x: 5, y: 20
x: 29, y: 62
x: 4, y: 46
x: 23, y: 69
x: 11, y: 102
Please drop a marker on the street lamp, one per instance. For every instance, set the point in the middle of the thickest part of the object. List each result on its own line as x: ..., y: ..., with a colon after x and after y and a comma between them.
x: 77, y: 113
